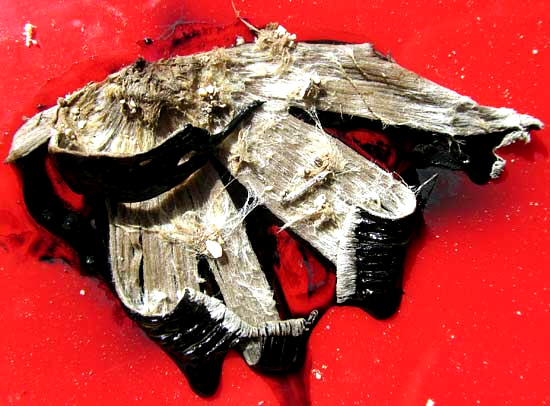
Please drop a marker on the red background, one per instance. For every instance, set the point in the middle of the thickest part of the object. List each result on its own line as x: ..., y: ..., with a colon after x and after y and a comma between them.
x: 474, y: 324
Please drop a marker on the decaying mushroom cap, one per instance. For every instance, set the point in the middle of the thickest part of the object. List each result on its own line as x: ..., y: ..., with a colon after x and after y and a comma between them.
x: 318, y: 187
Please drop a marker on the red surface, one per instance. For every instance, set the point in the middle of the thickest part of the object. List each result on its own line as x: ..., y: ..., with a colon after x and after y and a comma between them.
x: 306, y: 283
x: 474, y: 324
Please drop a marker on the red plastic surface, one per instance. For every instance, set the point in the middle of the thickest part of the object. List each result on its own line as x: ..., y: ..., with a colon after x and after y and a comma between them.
x: 474, y: 324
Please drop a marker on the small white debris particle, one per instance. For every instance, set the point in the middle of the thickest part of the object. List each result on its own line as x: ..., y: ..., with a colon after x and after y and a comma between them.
x: 282, y: 32
x: 320, y: 200
x: 202, y: 92
x: 317, y: 374
x: 518, y: 312
x: 81, y: 124
x: 239, y: 40
x: 210, y: 89
x: 29, y: 35
x: 430, y: 402
x: 535, y: 51
x: 133, y: 106
x: 82, y: 292
x: 315, y: 78
x: 214, y: 248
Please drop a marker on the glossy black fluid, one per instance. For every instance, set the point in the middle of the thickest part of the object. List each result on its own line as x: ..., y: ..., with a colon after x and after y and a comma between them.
x: 379, y: 260
x: 86, y: 234
x: 196, y: 341
x: 286, y: 353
